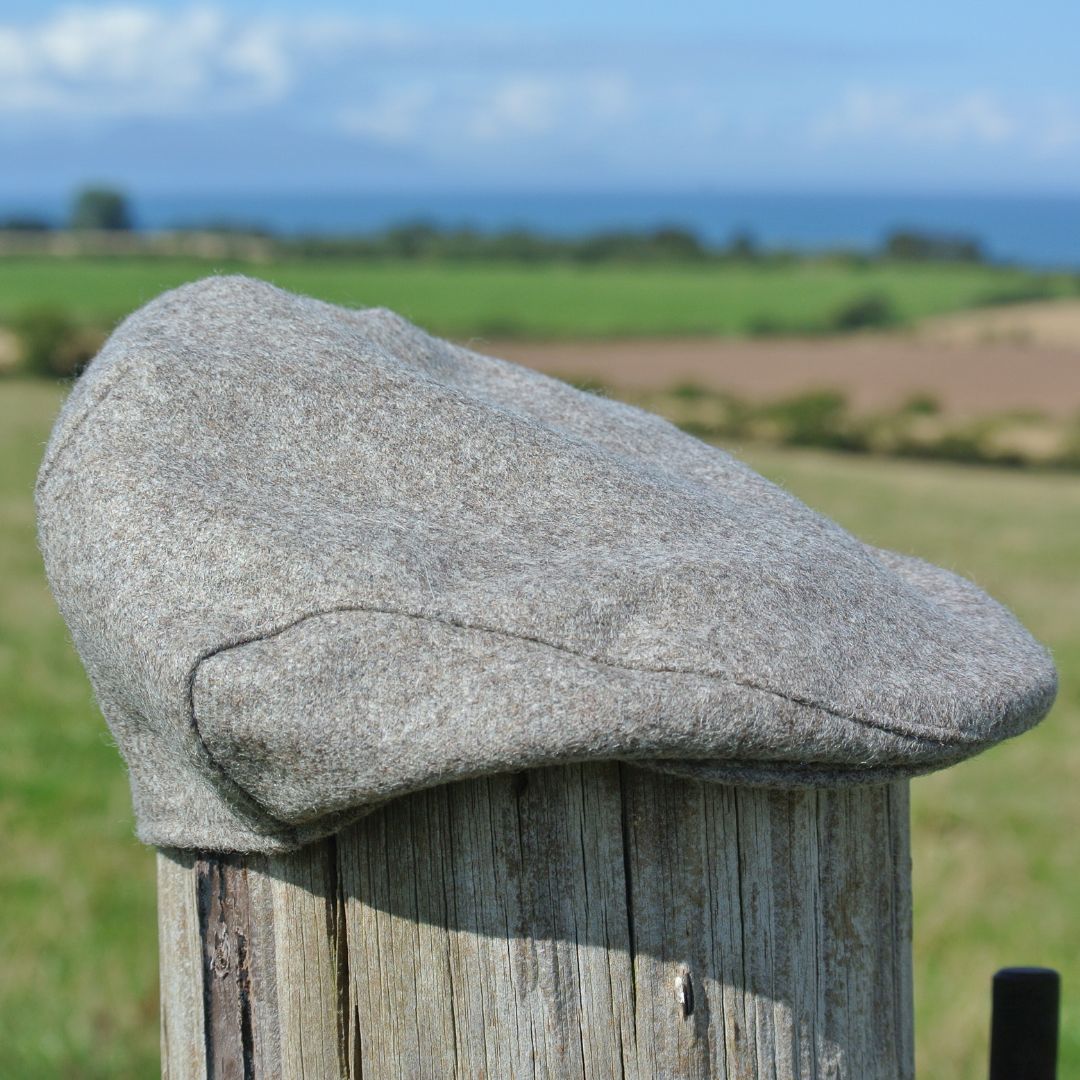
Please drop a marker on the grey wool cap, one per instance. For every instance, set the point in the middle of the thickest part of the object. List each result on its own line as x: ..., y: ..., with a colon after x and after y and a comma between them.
x: 313, y: 558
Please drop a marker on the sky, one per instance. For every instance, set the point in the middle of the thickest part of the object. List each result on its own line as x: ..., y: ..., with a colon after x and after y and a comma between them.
x: 776, y: 95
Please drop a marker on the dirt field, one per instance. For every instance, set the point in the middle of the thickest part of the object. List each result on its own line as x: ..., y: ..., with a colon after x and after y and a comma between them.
x: 1054, y: 325
x: 1027, y: 357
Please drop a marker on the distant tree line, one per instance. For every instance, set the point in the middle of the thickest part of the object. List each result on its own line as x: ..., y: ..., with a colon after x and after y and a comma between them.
x: 666, y: 244
x: 99, y: 208
x: 913, y: 245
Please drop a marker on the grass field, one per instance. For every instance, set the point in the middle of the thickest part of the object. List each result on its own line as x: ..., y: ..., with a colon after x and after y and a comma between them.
x: 997, y: 866
x: 549, y: 300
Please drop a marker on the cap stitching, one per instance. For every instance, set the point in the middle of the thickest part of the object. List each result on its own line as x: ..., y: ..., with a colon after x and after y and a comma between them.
x: 926, y: 737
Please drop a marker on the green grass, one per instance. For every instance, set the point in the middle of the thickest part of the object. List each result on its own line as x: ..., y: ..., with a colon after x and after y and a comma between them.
x: 997, y: 866
x: 542, y: 301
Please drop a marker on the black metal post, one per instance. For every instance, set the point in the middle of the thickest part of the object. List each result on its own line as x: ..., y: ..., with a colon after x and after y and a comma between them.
x: 1024, y: 1024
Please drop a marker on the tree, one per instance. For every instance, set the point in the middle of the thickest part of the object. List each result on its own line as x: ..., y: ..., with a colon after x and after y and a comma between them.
x: 100, y: 208
x: 742, y: 245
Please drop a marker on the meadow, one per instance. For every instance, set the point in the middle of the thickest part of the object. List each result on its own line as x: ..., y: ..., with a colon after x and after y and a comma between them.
x: 556, y: 300
x: 997, y: 868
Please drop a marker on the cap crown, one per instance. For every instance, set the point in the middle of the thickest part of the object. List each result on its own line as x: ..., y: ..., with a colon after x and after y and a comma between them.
x: 313, y: 558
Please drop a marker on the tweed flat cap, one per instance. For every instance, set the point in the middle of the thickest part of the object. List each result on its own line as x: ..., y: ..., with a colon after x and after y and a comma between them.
x: 313, y: 558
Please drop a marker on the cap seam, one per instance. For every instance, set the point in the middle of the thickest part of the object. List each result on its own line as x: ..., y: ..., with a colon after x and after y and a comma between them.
x: 924, y: 738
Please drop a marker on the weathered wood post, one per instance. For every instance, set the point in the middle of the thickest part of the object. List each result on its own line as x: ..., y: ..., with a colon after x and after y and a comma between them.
x: 579, y: 921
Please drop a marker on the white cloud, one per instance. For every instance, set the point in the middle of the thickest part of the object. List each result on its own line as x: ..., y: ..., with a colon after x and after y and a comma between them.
x: 895, y: 115
x: 127, y: 59
x: 394, y: 116
x: 488, y: 108
x: 391, y: 81
x: 1039, y: 128
x: 522, y: 105
x: 334, y: 33
x: 534, y: 105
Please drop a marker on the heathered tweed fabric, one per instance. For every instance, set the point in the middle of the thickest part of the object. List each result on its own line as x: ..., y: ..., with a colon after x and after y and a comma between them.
x: 314, y: 558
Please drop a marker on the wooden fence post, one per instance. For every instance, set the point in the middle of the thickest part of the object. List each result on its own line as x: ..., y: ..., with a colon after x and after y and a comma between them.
x: 580, y: 921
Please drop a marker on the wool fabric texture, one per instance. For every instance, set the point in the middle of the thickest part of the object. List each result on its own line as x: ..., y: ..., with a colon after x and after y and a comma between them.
x: 313, y: 558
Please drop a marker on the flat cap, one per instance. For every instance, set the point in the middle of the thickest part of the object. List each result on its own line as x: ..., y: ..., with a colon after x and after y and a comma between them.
x: 313, y: 558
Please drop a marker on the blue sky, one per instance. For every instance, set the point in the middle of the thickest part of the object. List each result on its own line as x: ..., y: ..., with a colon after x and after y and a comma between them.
x: 283, y: 96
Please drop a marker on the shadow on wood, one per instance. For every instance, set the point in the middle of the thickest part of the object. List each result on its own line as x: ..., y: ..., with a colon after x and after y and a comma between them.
x: 579, y: 921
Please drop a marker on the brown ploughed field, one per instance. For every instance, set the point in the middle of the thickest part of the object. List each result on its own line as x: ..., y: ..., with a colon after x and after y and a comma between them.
x: 1025, y: 357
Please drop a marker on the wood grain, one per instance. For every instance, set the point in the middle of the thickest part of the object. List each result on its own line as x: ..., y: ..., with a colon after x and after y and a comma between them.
x: 593, y: 921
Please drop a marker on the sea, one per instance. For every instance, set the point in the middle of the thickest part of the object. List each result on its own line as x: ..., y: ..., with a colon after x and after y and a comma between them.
x: 1034, y: 230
